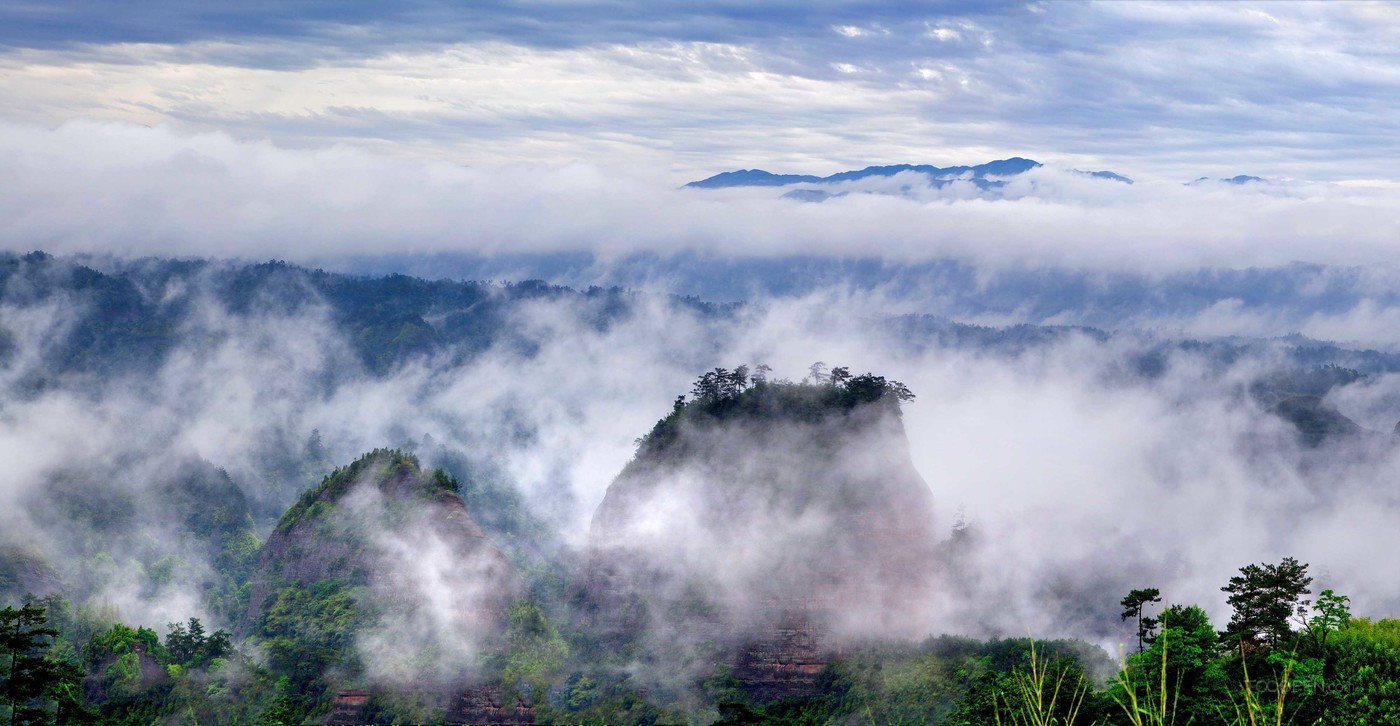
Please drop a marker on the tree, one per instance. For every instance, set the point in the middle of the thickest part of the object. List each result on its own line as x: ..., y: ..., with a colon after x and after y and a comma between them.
x: 900, y: 392
x: 1332, y: 614
x: 1265, y: 597
x: 706, y: 389
x: 33, y: 682
x: 839, y: 376
x: 1132, y: 608
x: 740, y: 378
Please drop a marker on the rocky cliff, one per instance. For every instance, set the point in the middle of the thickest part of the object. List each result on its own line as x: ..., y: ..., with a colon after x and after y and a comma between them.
x: 774, y: 519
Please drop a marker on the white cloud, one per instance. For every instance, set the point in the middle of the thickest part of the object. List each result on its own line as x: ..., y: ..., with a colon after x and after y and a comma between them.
x: 945, y: 34
x: 119, y: 188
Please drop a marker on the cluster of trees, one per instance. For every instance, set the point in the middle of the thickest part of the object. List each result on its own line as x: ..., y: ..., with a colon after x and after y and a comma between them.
x: 753, y: 396
x: 1282, y: 658
x: 117, y: 674
x: 387, y: 320
x: 1326, y: 664
x: 34, y: 686
x: 722, y: 384
x: 1301, y: 657
x: 188, y: 646
x: 1266, y: 600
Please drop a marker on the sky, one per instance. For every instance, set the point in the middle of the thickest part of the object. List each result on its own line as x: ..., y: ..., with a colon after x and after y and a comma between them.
x: 1173, y: 91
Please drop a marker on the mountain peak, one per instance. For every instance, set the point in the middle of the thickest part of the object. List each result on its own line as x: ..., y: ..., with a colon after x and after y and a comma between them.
x: 686, y: 540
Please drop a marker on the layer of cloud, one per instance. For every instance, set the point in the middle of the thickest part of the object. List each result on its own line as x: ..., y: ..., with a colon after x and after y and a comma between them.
x: 128, y: 190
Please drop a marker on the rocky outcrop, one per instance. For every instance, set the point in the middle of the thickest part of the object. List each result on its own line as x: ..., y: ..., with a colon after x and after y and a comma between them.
x: 384, y: 523
x: 490, y: 704
x: 381, y: 575
x: 778, y: 526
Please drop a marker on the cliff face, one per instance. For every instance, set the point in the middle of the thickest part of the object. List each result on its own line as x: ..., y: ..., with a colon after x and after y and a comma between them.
x: 779, y: 526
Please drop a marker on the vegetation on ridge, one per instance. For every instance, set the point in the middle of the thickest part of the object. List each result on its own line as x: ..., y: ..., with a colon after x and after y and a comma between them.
x: 752, y: 395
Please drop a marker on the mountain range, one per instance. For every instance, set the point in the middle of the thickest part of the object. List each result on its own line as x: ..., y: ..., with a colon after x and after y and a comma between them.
x: 989, y: 175
x: 761, y: 178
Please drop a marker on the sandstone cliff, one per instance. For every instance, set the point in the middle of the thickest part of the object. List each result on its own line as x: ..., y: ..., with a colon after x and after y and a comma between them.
x: 774, y: 521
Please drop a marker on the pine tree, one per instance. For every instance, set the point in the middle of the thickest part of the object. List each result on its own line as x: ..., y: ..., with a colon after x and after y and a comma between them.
x: 1132, y: 608
x: 1265, y: 597
x: 35, y: 688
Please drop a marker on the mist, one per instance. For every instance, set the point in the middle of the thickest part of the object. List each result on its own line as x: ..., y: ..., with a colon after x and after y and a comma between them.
x: 1077, y: 476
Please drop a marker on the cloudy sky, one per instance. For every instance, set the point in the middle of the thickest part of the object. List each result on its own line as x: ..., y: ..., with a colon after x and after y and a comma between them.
x: 1153, y: 90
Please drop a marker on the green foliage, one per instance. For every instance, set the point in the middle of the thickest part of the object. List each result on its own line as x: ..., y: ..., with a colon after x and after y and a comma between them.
x: 1180, y: 669
x: 124, y: 675
x: 945, y: 679
x: 279, y: 713
x: 1343, y: 670
x: 121, y: 639
x: 308, y: 634
x: 604, y: 697
x: 1043, y: 691
x: 391, y: 466
x: 1360, y: 681
x: 536, y: 653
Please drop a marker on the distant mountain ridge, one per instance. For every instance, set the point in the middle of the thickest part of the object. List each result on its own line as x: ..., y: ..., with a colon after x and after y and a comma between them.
x: 760, y: 178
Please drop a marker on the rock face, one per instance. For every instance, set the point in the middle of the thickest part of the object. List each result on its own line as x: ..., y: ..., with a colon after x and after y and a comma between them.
x: 785, y: 661
x: 489, y: 704
x: 775, y: 522
x: 348, y: 707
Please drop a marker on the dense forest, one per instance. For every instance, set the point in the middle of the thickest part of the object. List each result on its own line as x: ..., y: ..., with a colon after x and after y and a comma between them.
x: 767, y: 554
